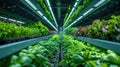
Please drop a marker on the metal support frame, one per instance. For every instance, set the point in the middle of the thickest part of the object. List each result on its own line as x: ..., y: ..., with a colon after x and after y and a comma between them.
x: 114, y: 46
x: 61, y: 44
x: 11, y: 48
x: 59, y: 11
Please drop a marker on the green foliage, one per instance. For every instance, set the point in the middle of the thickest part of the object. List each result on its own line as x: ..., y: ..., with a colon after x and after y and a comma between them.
x: 11, y: 30
x: 38, y: 55
x: 81, y: 54
x: 70, y: 30
x: 105, y: 29
x: 76, y: 54
x: 42, y: 28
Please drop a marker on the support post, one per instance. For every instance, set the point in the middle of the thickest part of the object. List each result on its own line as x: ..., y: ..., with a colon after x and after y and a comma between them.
x: 61, y: 44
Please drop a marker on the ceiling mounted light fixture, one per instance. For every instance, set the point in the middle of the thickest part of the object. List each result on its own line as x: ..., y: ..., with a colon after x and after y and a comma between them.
x: 100, y: 2
x: 40, y: 13
x: 88, y: 11
x: 31, y: 4
x: 49, y: 6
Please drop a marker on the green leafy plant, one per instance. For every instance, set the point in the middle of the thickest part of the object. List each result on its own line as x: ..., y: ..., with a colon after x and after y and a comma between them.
x: 105, y: 29
x: 78, y: 53
x: 11, y: 30
x: 70, y: 30
x: 38, y: 55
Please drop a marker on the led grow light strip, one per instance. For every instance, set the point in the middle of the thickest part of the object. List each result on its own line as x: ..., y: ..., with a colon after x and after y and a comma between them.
x: 75, y: 5
x: 88, y: 11
x: 73, y: 23
x: 13, y: 20
x: 50, y: 23
x: 52, y: 13
x: 3, y: 17
x: 16, y: 21
x: 20, y: 22
x: 40, y: 13
x: 29, y: 2
x: 100, y: 2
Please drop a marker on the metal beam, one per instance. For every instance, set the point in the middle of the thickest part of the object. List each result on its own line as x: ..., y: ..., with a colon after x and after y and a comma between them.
x: 9, y: 49
x: 59, y: 9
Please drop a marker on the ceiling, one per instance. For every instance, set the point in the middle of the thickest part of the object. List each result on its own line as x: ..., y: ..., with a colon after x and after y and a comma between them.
x: 16, y: 7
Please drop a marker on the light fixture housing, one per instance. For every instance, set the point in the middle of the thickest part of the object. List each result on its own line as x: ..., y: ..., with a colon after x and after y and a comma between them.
x: 30, y: 3
x: 100, y: 2
x: 88, y: 11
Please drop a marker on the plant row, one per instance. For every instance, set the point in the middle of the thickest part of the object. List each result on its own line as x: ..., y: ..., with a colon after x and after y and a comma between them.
x: 39, y: 55
x: 82, y: 54
x: 70, y: 30
x: 12, y: 30
x: 103, y: 29
x: 76, y: 54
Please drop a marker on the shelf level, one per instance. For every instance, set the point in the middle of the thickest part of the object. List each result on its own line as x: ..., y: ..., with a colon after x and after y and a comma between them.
x: 11, y: 48
x: 115, y: 46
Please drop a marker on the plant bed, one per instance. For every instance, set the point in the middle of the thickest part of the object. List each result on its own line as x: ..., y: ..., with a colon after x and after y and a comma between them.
x: 102, y: 29
x: 83, y: 54
x: 11, y: 31
x: 42, y: 54
x: 55, y: 59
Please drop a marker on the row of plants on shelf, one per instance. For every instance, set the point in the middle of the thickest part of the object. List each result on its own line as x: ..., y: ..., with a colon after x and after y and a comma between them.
x: 82, y: 54
x: 11, y: 30
x: 45, y: 8
x: 85, y: 3
x: 42, y: 28
x: 42, y: 54
x: 70, y: 30
x: 103, y: 29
